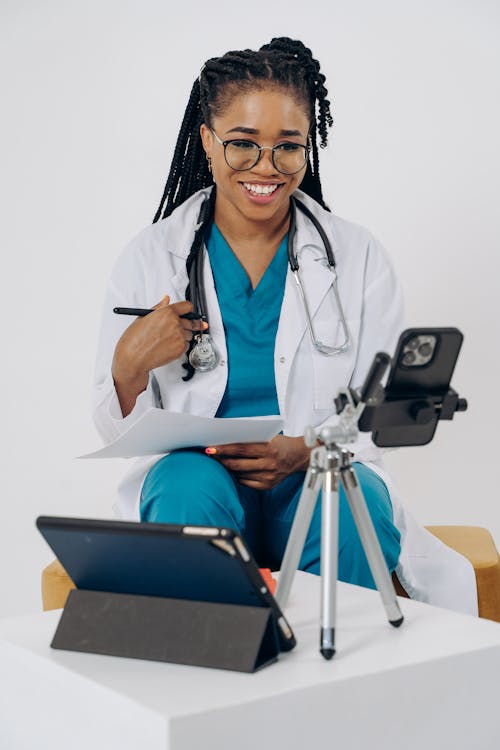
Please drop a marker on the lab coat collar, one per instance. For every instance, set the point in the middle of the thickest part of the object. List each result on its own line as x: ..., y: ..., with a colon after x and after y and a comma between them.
x: 181, y: 228
x: 181, y: 224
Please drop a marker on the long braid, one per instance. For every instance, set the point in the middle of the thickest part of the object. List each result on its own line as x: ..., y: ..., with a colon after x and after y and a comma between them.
x: 189, y: 169
x: 315, y: 84
x: 314, y: 78
x: 284, y: 63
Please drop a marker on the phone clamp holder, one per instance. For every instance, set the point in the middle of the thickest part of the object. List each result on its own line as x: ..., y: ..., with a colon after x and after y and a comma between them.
x: 400, y: 412
x: 331, y: 465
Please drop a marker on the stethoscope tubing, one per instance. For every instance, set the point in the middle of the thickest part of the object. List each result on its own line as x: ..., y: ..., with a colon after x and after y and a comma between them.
x: 197, y: 287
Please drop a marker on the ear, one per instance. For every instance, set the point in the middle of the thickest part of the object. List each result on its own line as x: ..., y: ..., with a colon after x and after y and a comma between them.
x: 207, y: 138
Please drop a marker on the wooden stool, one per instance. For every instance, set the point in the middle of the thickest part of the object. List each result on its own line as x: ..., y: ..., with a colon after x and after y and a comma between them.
x: 473, y: 542
x: 477, y: 545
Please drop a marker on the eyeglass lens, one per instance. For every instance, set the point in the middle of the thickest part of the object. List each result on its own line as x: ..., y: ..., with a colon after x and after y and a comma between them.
x: 288, y: 158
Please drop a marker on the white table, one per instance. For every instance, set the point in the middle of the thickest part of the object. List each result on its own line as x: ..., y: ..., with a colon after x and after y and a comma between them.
x: 433, y: 683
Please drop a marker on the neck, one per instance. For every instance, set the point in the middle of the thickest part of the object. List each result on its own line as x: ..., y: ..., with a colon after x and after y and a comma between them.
x: 235, y: 226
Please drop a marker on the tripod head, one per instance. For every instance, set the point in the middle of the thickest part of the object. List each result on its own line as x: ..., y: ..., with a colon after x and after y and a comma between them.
x: 349, y: 405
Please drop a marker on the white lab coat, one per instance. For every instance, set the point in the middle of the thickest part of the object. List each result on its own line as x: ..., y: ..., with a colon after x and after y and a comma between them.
x: 154, y: 264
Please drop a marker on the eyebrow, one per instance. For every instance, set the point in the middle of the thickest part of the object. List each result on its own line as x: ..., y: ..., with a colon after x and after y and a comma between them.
x: 253, y: 131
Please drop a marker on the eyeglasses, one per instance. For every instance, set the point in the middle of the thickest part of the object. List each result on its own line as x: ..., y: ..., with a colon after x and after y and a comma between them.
x: 240, y: 155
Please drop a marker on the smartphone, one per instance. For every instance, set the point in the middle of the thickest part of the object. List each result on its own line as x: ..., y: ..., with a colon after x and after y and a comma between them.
x: 419, y: 378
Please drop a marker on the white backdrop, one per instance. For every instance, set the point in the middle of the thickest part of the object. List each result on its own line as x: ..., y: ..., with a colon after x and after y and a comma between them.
x: 92, y: 97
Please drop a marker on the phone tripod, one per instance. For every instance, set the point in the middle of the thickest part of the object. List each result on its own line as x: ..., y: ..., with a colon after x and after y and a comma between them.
x: 330, y: 464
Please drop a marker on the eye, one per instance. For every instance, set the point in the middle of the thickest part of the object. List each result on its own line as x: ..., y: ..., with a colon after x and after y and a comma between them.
x: 290, y: 147
x: 243, y: 145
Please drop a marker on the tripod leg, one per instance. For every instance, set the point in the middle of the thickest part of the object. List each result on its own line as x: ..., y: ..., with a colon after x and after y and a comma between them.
x: 371, y: 544
x: 329, y: 561
x: 298, y: 533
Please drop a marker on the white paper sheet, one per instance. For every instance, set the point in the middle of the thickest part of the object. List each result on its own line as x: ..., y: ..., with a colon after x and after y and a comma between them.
x: 159, y: 431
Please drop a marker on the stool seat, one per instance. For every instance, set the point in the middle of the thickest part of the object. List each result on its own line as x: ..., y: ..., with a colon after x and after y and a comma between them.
x: 56, y: 585
x: 477, y: 545
x: 473, y: 542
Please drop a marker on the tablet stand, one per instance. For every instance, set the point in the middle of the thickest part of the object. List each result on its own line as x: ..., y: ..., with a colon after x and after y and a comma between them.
x: 330, y: 464
x: 205, y: 634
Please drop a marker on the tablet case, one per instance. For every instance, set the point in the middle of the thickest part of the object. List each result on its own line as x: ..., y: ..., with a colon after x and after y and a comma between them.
x: 166, y: 592
x: 205, y: 634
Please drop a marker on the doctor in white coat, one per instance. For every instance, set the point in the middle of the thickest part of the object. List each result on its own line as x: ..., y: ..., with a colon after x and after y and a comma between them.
x: 219, y: 244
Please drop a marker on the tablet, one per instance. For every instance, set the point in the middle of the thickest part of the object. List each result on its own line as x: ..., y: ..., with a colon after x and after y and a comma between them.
x: 198, y: 563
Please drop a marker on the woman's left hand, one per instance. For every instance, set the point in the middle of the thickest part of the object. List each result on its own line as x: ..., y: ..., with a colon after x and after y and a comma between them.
x: 263, y: 465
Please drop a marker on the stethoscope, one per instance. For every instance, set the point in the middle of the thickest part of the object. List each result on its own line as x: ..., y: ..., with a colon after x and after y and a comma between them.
x: 203, y: 355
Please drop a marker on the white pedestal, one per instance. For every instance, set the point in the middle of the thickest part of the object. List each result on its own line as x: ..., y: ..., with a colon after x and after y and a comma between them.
x: 433, y: 683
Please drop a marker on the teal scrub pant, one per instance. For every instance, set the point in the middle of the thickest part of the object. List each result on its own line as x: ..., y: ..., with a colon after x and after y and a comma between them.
x: 187, y: 487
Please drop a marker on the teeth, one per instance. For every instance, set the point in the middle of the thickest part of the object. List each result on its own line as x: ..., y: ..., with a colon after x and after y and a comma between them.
x: 260, y: 189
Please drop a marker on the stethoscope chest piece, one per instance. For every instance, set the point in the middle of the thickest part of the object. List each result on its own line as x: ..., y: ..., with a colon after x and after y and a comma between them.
x: 203, y: 356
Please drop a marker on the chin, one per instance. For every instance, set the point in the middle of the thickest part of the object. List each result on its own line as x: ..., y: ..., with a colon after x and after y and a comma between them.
x: 262, y: 212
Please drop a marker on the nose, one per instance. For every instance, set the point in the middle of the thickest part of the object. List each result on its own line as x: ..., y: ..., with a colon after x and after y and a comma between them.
x: 265, y: 164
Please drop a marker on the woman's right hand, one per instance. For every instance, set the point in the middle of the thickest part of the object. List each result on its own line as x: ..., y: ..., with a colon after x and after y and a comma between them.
x: 150, y: 342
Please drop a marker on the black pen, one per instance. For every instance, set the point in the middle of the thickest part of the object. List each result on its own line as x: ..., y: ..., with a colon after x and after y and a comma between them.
x: 140, y: 312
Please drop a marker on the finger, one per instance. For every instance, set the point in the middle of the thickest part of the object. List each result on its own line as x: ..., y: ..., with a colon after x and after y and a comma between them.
x: 255, y: 484
x: 243, y: 450
x: 193, y: 325
x: 257, y: 476
x: 164, y: 302
x: 245, y: 465
x: 181, y: 308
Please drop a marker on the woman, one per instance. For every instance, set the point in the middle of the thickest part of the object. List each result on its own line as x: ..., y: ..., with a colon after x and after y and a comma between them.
x: 248, y: 141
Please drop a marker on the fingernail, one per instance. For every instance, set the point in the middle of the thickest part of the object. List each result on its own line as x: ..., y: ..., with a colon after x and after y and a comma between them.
x: 204, y: 326
x: 210, y: 451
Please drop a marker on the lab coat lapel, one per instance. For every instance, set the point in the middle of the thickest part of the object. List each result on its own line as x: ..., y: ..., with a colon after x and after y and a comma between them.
x: 316, y: 279
x: 182, y: 227
x: 183, y: 222
x: 180, y: 282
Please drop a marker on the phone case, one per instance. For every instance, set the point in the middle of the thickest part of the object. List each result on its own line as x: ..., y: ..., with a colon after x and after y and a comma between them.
x: 432, y: 378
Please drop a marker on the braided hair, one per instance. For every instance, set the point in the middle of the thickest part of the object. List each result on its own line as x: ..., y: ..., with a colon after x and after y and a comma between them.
x: 284, y: 63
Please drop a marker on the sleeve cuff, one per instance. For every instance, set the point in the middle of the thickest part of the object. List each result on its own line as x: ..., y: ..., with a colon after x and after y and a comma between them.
x: 108, y: 416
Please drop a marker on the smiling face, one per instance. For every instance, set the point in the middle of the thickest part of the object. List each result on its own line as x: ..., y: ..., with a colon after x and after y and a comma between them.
x: 268, y: 117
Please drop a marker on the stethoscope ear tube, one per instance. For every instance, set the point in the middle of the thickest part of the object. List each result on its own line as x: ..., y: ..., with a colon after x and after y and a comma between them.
x: 202, y: 355
x: 197, y: 254
x: 328, y: 351
x: 201, y: 302
x: 292, y: 229
x: 326, y: 242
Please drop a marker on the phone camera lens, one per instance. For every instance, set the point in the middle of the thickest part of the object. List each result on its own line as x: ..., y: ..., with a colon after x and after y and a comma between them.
x: 409, y: 358
x: 425, y: 350
x: 413, y: 343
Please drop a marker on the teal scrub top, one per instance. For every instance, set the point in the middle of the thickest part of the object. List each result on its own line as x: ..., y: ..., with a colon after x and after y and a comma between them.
x: 250, y: 318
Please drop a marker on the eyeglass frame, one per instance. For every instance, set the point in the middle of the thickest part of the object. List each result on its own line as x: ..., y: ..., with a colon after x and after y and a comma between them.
x: 261, y: 149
